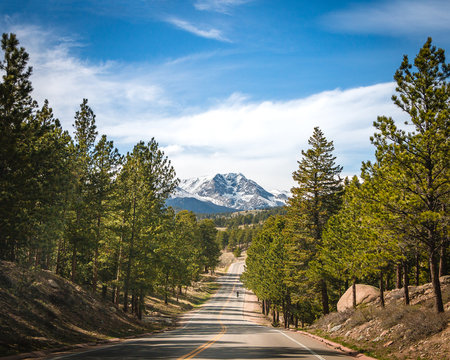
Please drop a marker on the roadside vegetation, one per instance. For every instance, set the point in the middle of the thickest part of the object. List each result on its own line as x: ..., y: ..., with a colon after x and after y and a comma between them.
x: 44, y: 311
x: 387, y: 228
x: 77, y: 207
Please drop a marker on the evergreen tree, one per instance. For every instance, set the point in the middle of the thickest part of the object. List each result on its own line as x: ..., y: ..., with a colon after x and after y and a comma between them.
x: 81, y: 226
x: 105, y: 162
x: 210, y: 247
x: 16, y: 109
x: 412, y: 164
x: 314, y: 200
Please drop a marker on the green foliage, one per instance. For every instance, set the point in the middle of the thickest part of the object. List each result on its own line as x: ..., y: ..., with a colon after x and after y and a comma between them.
x: 411, y: 172
x: 81, y: 209
x: 314, y: 200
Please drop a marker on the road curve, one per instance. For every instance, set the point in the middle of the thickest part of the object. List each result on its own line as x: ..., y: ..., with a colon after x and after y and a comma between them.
x: 218, y: 331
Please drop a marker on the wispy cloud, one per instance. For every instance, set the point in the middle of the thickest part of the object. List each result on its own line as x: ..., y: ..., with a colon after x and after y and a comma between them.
x: 189, y: 27
x: 221, y: 6
x: 393, y: 17
x: 264, y: 139
x: 260, y: 139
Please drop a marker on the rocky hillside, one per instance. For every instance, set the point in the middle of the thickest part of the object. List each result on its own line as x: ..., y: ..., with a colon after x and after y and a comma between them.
x: 40, y: 310
x: 413, y: 332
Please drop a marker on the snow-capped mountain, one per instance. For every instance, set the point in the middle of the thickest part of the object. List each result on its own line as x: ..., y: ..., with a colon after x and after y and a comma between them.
x: 225, y: 191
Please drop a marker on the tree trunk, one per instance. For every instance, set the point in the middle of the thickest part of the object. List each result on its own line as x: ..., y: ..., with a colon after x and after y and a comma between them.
x: 443, y: 260
x: 324, y: 291
x: 61, y: 242
x: 263, y: 307
x: 387, y: 284
x: 113, y: 295
x: 406, y: 282
x: 417, y: 267
x: 95, y: 264
x: 381, y: 289
x: 130, y: 257
x: 399, y: 276
x: 104, y: 291
x: 354, y: 292
x: 119, y: 263
x: 435, y: 280
x: 74, y: 262
x: 141, y: 304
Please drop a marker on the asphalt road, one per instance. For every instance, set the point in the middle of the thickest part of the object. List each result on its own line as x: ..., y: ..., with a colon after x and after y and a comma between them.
x: 218, y: 331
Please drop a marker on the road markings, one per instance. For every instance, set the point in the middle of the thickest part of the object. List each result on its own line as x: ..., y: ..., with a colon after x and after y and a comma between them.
x: 303, y: 346
x: 206, y: 345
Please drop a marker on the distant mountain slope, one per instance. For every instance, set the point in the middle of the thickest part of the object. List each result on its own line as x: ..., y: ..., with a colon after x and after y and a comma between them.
x: 197, y: 206
x: 228, y: 191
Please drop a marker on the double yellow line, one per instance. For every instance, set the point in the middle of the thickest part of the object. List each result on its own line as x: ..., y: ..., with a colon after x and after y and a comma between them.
x: 206, y: 345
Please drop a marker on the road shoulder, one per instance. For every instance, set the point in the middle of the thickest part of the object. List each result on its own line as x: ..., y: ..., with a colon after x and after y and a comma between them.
x: 252, y: 312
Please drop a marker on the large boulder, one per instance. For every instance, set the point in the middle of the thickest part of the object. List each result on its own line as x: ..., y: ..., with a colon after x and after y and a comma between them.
x: 364, y: 294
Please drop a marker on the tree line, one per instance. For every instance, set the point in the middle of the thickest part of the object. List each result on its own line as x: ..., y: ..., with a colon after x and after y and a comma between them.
x: 76, y: 206
x: 236, y: 219
x: 386, y: 228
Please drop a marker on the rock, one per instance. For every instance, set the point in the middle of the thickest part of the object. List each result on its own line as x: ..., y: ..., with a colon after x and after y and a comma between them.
x: 389, y: 343
x: 364, y: 294
x: 335, y: 328
x: 53, y: 284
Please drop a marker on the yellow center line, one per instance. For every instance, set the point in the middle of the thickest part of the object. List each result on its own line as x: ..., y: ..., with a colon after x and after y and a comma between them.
x: 206, y: 345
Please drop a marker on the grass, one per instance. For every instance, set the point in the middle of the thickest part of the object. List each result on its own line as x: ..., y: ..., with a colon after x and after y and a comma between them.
x: 193, y: 298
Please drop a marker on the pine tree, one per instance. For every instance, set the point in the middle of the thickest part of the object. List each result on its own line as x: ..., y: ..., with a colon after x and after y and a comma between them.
x: 16, y: 108
x: 81, y: 228
x: 105, y: 162
x: 146, y: 180
x: 315, y: 199
x: 210, y: 247
x: 414, y: 163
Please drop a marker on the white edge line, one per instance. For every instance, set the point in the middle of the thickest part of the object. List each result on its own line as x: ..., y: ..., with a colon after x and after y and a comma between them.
x: 303, y: 346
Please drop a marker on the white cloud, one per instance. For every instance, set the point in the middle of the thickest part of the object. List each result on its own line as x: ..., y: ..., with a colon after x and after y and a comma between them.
x: 263, y: 139
x: 221, y: 6
x: 187, y: 26
x: 393, y: 17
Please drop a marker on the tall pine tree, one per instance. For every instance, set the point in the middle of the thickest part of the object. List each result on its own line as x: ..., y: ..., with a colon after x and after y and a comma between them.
x: 413, y: 161
x: 314, y: 200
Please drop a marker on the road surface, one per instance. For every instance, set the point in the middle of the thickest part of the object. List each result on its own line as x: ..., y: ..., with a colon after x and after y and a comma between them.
x: 218, y: 331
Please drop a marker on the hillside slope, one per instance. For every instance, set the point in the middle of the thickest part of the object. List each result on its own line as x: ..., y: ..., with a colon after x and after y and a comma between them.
x: 40, y: 310
x: 397, y: 331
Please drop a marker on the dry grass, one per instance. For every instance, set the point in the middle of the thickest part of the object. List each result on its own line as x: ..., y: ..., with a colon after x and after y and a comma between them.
x: 418, y: 322
x: 40, y: 310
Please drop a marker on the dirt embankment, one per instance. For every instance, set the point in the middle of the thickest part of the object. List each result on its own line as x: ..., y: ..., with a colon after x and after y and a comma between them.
x: 40, y: 310
x: 397, y: 331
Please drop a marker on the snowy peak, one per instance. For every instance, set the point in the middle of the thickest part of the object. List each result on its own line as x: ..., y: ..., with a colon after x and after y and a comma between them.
x: 230, y: 190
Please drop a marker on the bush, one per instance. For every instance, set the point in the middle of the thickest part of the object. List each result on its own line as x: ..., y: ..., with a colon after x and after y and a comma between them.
x: 334, y: 318
x: 237, y: 252
x: 418, y: 322
x: 363, y: 315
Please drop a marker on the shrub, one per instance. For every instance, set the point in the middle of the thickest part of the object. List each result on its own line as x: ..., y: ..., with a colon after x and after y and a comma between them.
x: 419, y: 322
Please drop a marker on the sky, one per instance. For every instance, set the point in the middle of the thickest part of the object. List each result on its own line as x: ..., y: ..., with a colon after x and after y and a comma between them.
x: 226, y: 85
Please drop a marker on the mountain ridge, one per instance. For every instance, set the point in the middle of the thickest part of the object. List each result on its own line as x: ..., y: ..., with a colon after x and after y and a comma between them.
x: 228, y: 192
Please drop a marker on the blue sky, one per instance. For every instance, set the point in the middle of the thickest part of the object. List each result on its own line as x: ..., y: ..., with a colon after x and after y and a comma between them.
x: 226, y: 85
